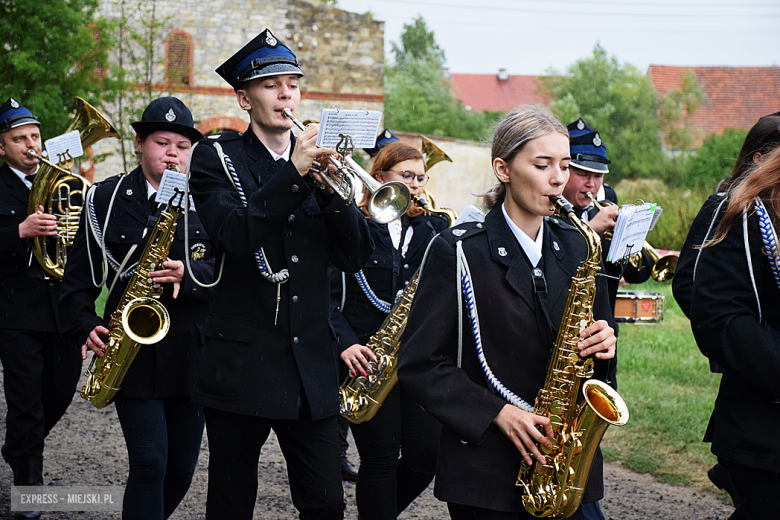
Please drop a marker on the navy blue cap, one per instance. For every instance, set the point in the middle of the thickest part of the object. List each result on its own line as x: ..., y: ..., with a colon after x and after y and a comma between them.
x: 382, y: 140
x: 13, y: 114
x: 167, y: 113
x: 262, y: 57
x: 588, y: 151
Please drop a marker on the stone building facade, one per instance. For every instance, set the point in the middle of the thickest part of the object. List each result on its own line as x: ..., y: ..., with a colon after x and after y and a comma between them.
x: 341, y: 55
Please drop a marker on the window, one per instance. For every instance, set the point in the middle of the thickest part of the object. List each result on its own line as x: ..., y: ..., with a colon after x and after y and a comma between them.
x: 178, y: 58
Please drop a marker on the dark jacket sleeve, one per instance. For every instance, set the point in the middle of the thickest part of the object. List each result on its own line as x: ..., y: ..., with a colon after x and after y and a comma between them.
x: 725, y: 310
x: 345, y: 336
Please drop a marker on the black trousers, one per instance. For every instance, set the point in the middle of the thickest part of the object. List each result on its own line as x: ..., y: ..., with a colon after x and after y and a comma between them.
x: 756, y: 489
x: 163, y: 439
x: 387, y: 483
x: 311, y: 449
x: 40, y: 373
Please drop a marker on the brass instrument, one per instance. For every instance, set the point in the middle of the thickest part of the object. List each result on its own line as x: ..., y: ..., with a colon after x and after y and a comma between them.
x: 555, y: 489
x: 663, y: 266
x: 61, y: 193
x: 388, y: 201
x: 433, y: 154
x: 139, y: 318
x: 362, y: 396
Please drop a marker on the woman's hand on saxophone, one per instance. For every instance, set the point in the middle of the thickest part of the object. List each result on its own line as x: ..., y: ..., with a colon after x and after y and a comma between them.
x: 522, y: 428
x: 95, y: 342
x: 173, y: 273
x: 598, y: 338
x: 357, y: 358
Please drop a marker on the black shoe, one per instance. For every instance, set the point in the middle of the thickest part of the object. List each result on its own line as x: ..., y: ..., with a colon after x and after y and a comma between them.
x: 348, y: 471
x: 28, y: 471
x: 722, y: 480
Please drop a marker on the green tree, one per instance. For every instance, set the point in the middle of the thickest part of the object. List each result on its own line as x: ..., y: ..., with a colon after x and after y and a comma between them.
x: 676, y: 110
x: 417, y: 94
x: 50, y: 53
x: 617, y: 100
x: 715, y: 159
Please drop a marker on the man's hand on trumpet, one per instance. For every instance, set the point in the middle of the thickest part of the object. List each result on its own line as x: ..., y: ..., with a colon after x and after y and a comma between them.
x: 605, y: 219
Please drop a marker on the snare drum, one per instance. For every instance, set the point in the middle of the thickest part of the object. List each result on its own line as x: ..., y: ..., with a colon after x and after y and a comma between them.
x: 639, y: 307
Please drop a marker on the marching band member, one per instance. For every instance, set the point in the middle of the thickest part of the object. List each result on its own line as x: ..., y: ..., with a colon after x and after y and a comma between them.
x: 387, y: 484
x: 269, y: 361
x: 521, y: 263
x: 734, y: 317
x: 761, y: 139
x: 40, y: 372
x: 162, y: 428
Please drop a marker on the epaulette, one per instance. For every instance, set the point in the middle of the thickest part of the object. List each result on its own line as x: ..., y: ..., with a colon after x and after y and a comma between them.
x: 108, y: 180
x: 559, y: 223
x: 461, y: 231
x: 224, y: 136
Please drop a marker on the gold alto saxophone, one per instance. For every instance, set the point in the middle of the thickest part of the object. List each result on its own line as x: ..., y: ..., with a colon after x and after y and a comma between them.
x: 362, y: 396
x: 555, y: 489
x: 139, y: 319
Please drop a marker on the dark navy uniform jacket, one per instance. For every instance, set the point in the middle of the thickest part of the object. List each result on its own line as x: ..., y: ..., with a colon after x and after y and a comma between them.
x: 28, y: 298
x: 255, y: 362
x: 478, y: 464
x: 167, y: 368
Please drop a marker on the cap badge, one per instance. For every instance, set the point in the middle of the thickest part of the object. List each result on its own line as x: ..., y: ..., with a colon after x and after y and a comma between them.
x: 270, y: 40
x: 458, y: 232
x: 597, y: 141
x: 501, y: 251
x: 14, y: 104
x: 388, y: 135
x: 580, y: 125
x: 170, y: 116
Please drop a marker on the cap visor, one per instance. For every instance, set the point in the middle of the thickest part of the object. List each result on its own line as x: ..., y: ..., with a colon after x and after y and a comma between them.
x: 276, y: 69
x: 591, y: 166
x: 152, y: 126
x: 24, y: 121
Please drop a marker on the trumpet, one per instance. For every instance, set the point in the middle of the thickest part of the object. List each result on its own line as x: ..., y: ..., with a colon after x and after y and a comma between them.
x: 663, y: 266
x: 388, y: 201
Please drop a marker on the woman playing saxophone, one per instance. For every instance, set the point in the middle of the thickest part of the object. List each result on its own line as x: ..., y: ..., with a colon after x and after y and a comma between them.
x: 162, y: 429
x: 478, y: 341
x: 387, y: 483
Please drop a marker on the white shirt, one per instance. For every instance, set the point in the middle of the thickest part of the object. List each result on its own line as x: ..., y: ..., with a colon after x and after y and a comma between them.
x: 532, y: 248
x: 396, y: 228
x: 285, y: 155
x: 23, y: 175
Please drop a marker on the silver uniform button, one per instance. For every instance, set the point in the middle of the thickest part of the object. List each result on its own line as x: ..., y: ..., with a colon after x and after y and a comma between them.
x: 197, y: 232
x: 295, y: 299
x: 122, y: 237
x: 294, y: 188
x: 295, y: 340
x: 406, y: 266
x: 375, y: 262
x: 13, y: 212
x: 291, y: 218
x: 294, y: 258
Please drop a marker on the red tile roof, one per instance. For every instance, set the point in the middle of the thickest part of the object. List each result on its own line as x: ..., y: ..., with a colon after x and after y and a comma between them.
x: 486, y: 92
x: 735, y: 96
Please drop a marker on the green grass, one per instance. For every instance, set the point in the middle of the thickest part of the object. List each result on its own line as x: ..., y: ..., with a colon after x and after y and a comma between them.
x: 669, y: 390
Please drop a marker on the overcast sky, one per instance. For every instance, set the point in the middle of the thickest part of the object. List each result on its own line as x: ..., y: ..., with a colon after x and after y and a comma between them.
x: 529, y: 36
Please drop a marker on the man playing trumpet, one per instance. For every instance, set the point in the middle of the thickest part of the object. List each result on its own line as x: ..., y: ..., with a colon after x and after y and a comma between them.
x: 269, y: 360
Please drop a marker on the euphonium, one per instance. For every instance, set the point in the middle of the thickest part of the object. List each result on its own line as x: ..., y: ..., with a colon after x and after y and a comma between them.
x: 61, y: 193
x: 555, y: 489
x: 388, y: 201
x: 139, y: 319
x: 362, y: 396
x: 663, y: 266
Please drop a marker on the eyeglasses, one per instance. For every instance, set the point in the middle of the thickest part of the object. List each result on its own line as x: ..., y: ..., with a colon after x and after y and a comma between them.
x: 409, y: 176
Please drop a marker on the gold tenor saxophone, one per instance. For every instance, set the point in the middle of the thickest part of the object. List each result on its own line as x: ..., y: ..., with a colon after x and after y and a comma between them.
x: 139, y: 319
x: 555, y: 489
x: 362, y: 396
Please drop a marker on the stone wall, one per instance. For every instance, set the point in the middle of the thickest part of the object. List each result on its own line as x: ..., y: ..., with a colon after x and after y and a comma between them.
x: 341, y: 55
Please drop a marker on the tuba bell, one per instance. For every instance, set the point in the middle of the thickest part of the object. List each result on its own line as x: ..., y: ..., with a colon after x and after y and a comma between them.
x: 61, y: 193
x: 432, y: 153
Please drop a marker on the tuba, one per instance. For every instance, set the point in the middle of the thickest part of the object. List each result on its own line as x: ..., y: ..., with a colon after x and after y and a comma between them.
x: 663, y: 266
x: 555, y: 489
x: 61, y: 193
x: 388, y: 201
x: 362, y: 396
x: 139, y: 319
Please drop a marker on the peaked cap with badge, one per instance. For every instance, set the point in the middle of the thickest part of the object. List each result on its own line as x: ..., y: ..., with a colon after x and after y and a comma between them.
x: 383, y: 139
x: 167, y: 113
x: 262, y: 57
x: 588, y: 151
x: 13, y: 114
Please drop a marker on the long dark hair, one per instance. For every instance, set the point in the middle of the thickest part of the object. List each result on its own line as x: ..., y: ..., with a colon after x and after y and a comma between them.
x: 762, y: 138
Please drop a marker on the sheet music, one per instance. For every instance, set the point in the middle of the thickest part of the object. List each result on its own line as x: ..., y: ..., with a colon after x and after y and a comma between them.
x: 64, y: 147
x: 470, y: 214
x: 170, y: 180
x: 362, y: 125
x: 630, y: 231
